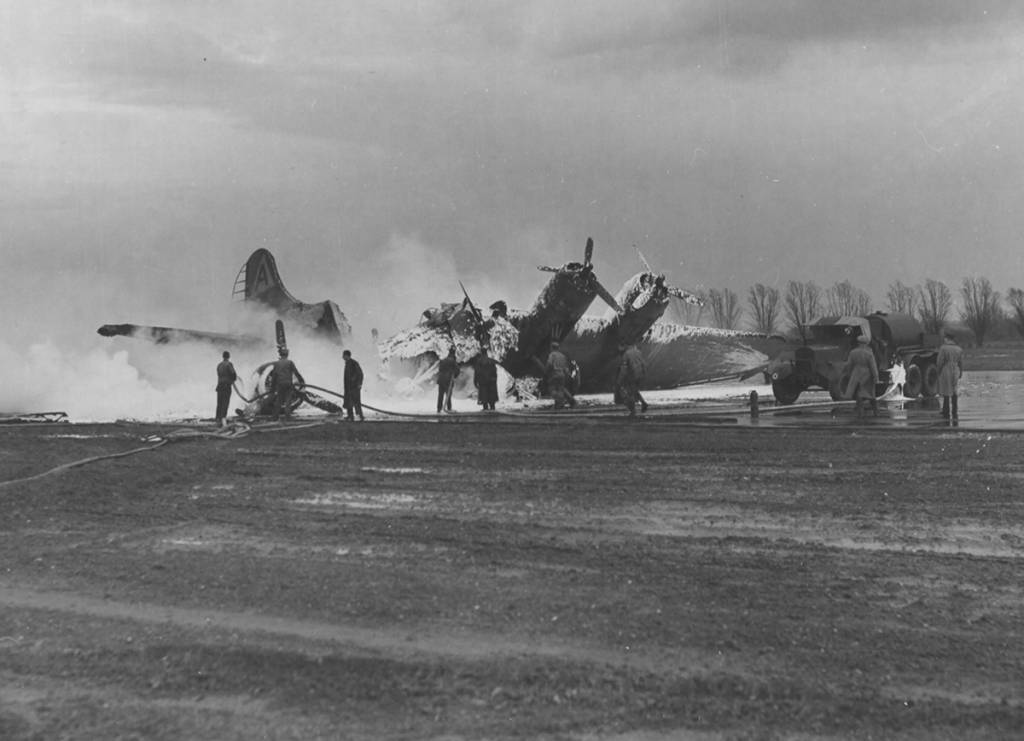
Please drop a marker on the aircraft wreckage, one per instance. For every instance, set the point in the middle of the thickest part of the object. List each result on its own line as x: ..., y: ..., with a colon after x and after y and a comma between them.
x: 520, y: 340
x: 258, y: 283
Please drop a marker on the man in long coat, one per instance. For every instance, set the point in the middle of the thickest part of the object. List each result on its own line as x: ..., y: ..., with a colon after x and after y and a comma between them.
x: 632, y: 370
x: 352, y: 387
x: 485, y: 378
x: 863, y: 370
x: 950, y: 364
x: 447, y: 370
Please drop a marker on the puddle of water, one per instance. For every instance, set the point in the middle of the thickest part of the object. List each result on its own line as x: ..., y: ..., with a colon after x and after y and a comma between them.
x: 988, y: 400
x: 356, y: 500
x: 402, y: 471
x: 975, y: 539
x: 71, y: 436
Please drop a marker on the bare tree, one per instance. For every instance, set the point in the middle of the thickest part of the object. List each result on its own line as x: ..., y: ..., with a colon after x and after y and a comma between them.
x: 802, y: 304
x: 1015, y: 297
x: 934, y: 305
x: 981, y: 310
x: 845, y: 299
x: 725, y: 308
x: 764, y: 307
x: 902, y: 298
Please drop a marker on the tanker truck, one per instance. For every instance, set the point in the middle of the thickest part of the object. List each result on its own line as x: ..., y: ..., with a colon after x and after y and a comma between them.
x: 819, y: 361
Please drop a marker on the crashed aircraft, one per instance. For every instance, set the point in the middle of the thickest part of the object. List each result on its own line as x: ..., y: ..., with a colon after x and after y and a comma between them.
x: 258, y: 283
x: 518, y: 340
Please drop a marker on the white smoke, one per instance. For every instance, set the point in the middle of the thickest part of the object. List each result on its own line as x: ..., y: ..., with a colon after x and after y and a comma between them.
x: 55, y: 361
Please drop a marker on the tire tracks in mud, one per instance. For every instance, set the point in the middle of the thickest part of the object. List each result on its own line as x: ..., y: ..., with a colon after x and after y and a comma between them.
x: 320, y: 638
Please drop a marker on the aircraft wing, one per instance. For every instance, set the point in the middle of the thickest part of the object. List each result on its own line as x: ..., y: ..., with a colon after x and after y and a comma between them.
x: 678, y: 354
x: 171, y: 335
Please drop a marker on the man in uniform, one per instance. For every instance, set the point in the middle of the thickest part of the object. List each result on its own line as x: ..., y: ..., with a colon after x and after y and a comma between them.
x: 485, y: 378
x: 558, y: 370
x: 632, y: 370
x: 284, y: 387
x: 352, y: 387
x: 447, y: 370
x: 863, y: 370
x: 226, y: 377
x: 950, y: 364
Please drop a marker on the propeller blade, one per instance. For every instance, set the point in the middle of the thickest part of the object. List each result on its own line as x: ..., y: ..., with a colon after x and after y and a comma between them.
x: 547, y: 268
x: 588, y: 252
x: 643, y: 260
x: 608, y: 298
x: 469, y: 301
x: 686, y: 296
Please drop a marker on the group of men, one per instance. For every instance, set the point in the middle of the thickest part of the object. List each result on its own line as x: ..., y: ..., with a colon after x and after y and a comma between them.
x: 485, y: 378
x: 284, y: 381
x: 863, y: 373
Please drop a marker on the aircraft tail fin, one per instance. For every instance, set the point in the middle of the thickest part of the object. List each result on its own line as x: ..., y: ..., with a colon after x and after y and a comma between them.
x: 259, y: 281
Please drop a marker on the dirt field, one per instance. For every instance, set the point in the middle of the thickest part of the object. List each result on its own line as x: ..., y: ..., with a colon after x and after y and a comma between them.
x: 551, y: 579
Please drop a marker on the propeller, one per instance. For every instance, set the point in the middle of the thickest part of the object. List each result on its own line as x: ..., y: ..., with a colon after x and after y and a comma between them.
x: 690, y: 298
x: 469, y: 302
x: 678, y: 293
x: 588, y: 262
x: 647, y: 265
x: 607, y: 297
x: 482, y: 325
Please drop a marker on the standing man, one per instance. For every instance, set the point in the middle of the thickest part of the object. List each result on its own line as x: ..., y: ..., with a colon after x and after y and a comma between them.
x: 284, y: 387
x: 558, y: 371
x: 353, y: 387
x: 950, y: 364
x: 898, y: 375
x: 447, y: 370
x: 485, y: 378
x: 632, y: 370
x: 226, y: 377
x: 863, y: 370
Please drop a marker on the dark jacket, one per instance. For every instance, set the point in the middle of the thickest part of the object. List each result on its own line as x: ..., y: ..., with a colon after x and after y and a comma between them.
x: 283, y: 371
x: 353, y: 378
x: 485, y: 377
x: 226, y: 375
x: 447, y: 370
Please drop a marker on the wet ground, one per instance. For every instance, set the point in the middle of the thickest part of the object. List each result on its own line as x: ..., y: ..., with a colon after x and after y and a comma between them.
x: 989, y: 400
x: 512, y: 577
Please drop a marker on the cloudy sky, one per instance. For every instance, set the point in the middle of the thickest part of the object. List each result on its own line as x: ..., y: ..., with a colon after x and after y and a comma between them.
x: 385, y: 150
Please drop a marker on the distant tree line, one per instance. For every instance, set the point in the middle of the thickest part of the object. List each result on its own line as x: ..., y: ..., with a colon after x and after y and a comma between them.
x: 770, y: 310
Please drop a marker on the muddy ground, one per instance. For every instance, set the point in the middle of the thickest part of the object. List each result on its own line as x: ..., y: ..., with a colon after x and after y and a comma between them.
x: 512, y: 578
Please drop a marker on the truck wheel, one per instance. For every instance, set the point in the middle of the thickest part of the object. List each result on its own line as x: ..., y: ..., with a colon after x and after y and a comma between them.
x: 786, y: 391
x: 912, y: 386
x: 930, y: 381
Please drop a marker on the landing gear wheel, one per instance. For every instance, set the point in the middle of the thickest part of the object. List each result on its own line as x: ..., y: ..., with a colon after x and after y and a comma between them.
x: 915, y: 379
x: 786, y: 391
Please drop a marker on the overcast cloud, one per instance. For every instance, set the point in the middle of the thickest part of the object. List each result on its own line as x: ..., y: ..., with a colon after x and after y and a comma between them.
x: 383, y: 151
